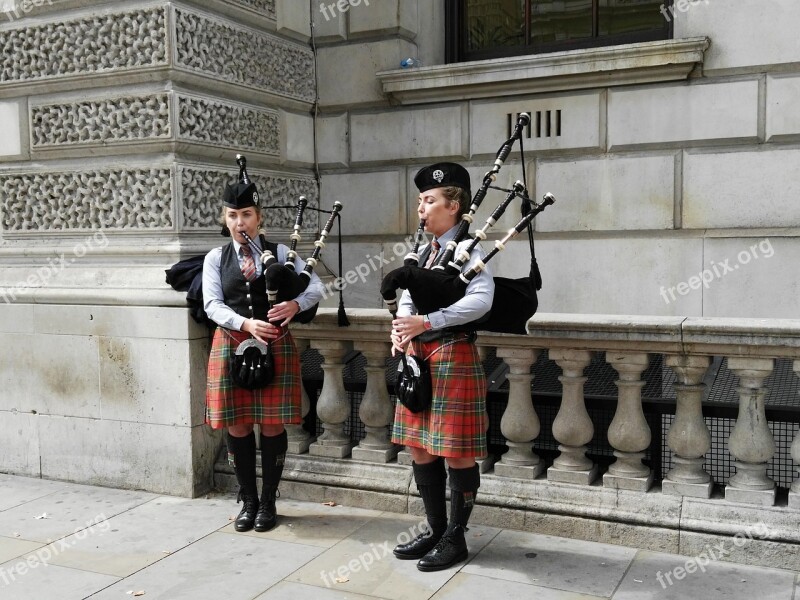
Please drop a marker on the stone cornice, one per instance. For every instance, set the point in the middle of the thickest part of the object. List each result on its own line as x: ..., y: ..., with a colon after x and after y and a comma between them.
x: 755, y: 338
x: 647, y: 62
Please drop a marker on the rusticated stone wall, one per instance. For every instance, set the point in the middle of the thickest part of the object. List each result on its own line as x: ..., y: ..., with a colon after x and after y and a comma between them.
x: 119, y: 128
x: 117, y: 121
x: 91, y: 44
x: 105, y: 121
x: 104, y: 84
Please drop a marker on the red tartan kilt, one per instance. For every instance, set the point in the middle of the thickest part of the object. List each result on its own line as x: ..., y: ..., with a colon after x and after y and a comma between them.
x: 455, y: 425
x: 276, y: 404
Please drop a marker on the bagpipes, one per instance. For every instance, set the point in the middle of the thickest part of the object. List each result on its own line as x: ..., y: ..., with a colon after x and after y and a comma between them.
x: 254, y: 366
x: 251, y: 365
x: 515, y: 300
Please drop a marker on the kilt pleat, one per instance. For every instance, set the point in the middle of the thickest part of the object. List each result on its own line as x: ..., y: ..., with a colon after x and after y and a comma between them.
x: 456, y: 423
x: 276, y: 404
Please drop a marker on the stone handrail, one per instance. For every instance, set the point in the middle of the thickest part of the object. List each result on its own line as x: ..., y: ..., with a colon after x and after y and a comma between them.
x: 573, y: 497
x: 750, y: 345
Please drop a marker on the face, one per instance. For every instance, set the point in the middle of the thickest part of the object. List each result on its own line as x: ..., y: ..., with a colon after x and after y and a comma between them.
x: 243, y: 219
x: 438, y: 212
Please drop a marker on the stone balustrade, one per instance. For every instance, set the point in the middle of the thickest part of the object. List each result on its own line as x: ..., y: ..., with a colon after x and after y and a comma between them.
x: 679, y: 513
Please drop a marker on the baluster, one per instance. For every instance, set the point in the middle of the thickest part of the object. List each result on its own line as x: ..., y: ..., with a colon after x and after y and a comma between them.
x: 794, y: 493
x: 333, y: 406
x: 573, y: 427
x: 751, y: 442
x: 688, y: 437
x: 629, y: 433
x: 376, y: 410
x: 520, y: 423
x: 299, y: 438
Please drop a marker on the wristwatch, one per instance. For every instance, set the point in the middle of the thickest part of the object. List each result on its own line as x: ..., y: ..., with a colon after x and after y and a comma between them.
x: 427, y: 323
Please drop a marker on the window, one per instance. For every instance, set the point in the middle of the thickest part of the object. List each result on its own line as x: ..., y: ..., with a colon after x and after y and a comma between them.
x: 480, y: 29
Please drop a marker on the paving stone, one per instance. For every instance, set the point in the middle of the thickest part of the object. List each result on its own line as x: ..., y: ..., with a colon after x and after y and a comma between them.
x: 221, y: 565
x: 667, y: 577
x: 50, y: 583
x: 139, y: 537
x: 366, y: 561
x: 546, y: 561
x: 465, y: 585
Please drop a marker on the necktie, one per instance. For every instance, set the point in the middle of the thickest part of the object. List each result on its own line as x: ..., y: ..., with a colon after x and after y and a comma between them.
x: 432, y: 257
x: 248, y: 266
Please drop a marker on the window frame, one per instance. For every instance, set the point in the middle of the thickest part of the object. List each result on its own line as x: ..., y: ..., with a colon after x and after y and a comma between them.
x: 455, y: 42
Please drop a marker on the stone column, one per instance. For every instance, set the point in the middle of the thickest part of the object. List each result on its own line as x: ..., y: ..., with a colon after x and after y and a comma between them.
x: 299, y: 438
x: 333, y: 406
x: 794, y: 493
x: 376, y: 410
x: 520, y: 423
x: 688, y: 437
x: 572, y: 428
x: 751, y: 442
x: 629, y: 433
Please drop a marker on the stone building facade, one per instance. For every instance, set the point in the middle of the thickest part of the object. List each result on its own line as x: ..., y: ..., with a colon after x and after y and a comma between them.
x: 119, y: 125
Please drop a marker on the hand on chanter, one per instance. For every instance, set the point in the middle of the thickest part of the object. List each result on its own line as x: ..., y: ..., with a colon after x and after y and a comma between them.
x: 284, y: 312
x: 404, y: 329
x: 261, y: 330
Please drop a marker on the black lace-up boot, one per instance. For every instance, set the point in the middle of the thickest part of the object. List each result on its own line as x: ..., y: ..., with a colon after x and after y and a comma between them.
x: 452, y: 547
x: 430, y: 479
x: 244, y: 461
x: 273, y: 456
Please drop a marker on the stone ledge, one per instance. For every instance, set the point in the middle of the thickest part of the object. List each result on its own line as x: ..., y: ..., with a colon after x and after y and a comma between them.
x: 652, y: 520
x: 648, y: 62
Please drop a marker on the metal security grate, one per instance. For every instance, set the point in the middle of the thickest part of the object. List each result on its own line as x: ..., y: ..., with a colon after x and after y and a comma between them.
x: 718, y: 461
x: 720, y: 408
x: 783, y: 386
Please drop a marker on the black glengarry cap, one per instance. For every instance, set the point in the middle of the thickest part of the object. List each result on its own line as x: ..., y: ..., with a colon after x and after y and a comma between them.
x: 444, y: 174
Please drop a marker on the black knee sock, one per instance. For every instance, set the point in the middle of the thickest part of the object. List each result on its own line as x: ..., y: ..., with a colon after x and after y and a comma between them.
x: 430, y: 479
x: 273, y: 455
x: 244, y: 458
x: 464, y: 484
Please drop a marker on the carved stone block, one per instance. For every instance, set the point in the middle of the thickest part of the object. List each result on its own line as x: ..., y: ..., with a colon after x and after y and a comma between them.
x: 201, y: 191
x: 134, y: 198
x: 86, y: 45
x: 101, y: 121
x: 224, y: 124
x: 231, y: 53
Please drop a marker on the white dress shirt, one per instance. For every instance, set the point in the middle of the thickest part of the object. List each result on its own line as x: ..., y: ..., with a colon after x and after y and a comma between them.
x: 477, y: 300
x: 213, y: 298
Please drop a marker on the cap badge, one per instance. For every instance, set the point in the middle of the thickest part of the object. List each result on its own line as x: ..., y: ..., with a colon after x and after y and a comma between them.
x: 438, y: 175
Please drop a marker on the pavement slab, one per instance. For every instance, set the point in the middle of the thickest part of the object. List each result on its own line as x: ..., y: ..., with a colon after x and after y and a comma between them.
x: 221, y: 565
x: 105, y: 544
x: 667, y: 577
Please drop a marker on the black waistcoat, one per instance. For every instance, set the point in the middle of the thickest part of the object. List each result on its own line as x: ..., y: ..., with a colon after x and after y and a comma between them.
x: 245, y: 298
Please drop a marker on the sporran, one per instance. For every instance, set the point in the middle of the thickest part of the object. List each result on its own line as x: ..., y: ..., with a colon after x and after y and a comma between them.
x: 413, y: 384
x: 252, y: 365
